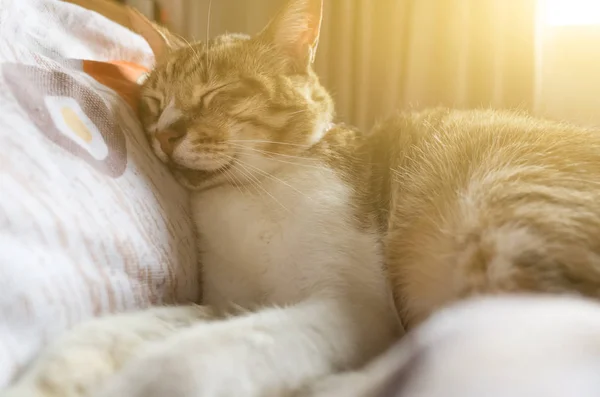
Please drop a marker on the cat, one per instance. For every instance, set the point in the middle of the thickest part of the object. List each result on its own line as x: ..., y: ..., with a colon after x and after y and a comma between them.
x: 331, y: 242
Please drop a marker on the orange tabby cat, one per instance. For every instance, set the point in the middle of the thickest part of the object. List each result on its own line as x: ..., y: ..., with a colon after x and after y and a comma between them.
x: 303, y: 221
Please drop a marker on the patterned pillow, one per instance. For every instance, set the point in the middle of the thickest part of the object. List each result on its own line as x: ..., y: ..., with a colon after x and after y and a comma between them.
x: 90, y: 221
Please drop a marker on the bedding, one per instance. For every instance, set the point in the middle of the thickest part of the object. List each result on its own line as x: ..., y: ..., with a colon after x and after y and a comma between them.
x: 90, y: 221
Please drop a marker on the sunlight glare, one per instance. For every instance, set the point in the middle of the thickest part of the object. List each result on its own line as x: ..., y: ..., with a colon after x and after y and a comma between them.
x: 571, y: 12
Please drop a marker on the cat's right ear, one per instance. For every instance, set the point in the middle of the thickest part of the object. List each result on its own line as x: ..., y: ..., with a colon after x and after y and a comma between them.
x: 161, y: 41
x: 295, y: 30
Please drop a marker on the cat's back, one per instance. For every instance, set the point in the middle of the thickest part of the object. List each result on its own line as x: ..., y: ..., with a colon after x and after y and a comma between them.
x: 486, y: 201
x: 487, y: 138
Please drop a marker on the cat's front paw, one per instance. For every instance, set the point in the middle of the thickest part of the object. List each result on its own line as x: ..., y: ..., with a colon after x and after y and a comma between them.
x: 83, y: 359
x: 165, y: 374
x: 205, y: 361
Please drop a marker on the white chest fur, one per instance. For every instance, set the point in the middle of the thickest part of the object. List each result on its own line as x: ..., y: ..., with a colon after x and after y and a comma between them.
x: 283, y: 241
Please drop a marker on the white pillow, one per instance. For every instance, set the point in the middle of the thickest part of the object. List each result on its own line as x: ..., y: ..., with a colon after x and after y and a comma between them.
x: 90, y: 221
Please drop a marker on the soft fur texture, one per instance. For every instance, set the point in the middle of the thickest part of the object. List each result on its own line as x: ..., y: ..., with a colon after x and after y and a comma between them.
x: 486, y: 202
x: 299, y: 221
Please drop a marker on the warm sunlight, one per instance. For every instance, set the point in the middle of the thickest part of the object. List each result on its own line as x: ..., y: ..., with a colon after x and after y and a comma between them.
x: 571, y: 12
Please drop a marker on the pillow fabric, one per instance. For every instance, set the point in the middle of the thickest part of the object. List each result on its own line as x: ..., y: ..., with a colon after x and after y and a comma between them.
x: 90, y: 221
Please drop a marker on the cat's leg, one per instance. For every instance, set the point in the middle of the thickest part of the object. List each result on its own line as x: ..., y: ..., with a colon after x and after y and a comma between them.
x: 81, y: 359
x: 268, y: 353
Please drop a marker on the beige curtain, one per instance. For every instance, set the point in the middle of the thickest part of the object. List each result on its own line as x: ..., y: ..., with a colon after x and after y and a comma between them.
x: 379, y: 55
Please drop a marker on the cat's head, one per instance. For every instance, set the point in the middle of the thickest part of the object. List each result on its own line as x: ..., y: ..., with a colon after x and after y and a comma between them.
x: 216, y: 112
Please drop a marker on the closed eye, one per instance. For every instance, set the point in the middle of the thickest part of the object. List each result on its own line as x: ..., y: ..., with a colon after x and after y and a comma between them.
x: 153, y: 103
x: 204, y: 98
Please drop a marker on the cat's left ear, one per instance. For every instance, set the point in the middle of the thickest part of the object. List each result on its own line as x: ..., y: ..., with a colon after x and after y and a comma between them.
x: 161, y: 41
x: 295, y: 30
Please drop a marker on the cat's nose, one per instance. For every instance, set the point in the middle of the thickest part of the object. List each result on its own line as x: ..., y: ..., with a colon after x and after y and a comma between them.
x: 168, y: 139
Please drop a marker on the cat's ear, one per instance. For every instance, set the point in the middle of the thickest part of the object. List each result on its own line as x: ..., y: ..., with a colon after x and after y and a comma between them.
x: 295, y: 30
x: 161, y: 41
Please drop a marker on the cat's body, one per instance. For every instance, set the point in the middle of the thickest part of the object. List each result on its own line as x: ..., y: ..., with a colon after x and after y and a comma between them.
x: 486, y: 202
x: 304, y: 224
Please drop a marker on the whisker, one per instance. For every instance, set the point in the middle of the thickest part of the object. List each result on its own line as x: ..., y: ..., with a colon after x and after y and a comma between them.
x: 274, y: 178
x: 237, y: 183
x: 208, y: 17
x: 256, y: 183
x: 252, y: 181
x: 190, y: 46
x: 271, y: 142
x: 230, y: 180
x: 299, y: 112
x: 321, y: 168
x: 234, y: 180
x: 288, y: 156
x: 272, y: 153
x: 241, y: 184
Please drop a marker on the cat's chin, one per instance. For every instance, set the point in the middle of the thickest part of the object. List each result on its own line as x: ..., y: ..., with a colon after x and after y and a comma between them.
x: 191, y: 179
x: 199, y: 179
